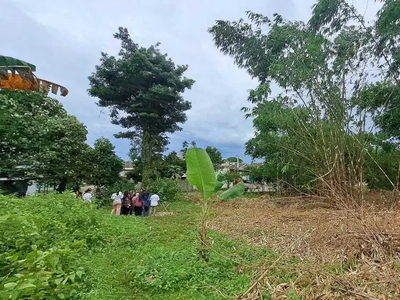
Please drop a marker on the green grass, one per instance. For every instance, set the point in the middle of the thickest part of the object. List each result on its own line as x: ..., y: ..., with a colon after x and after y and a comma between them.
x: 122, y: 257
x: 156, y: 258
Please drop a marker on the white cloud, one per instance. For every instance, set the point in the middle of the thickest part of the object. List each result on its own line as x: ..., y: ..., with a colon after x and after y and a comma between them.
x: 64, y: 39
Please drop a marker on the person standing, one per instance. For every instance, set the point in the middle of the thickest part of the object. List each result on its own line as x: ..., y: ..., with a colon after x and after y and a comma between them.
x: 145, y: 197
x: 117, y: 203
x: 154, y: 199
x: 87, y: 196
x: 132, y: 198
x: 126, y: 204
x: 137, y: 205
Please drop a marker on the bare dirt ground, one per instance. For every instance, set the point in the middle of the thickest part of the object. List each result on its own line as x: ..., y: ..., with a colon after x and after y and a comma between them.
x: 341, y: 254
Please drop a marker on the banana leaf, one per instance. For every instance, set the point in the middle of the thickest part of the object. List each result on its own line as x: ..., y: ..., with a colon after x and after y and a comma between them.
x: 200, y: 171
x: 218, y: 186
x: 235, y: 191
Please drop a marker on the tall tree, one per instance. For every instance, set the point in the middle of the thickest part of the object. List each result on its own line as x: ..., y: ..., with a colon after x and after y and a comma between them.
x: 314, y: 123
x: 186, y: 145
x: 143, y: 89
x: 215, y: 156
x: 106, y: 165
x: 172, y: 166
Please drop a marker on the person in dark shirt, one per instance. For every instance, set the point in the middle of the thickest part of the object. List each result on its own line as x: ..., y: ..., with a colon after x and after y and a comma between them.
x: 145, y: 197
x: 126, y: 204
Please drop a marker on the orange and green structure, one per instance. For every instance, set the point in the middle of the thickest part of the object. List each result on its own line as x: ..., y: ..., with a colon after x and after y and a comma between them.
x: 16, y: 74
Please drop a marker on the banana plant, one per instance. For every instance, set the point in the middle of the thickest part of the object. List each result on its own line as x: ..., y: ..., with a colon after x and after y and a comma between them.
x: 201, y: 174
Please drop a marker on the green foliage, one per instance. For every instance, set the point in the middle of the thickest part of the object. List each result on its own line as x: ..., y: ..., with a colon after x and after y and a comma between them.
x: 382, y: 165
x: 36, y: 132
x: 103, y: 193
x: 41, y: 243
x: 221, y: 177
x: 234, y: 159
x: 388, y: 33
x: 168, y: 166
x: 143, y: 89
x: 215, y: 156
x: 236, y: 191
x: 232, y: 176
x: 171, y: 166
x: 68, y: 250
x: 218, y: 186
x: 334, y: 12
x: 166, y: 267
x: 105, y: 164
x: 316, y: 127
x: 166, y: 188
x: 121, y: 186
x: 186, y: 146
x: 200, y: 171
x: 382, y: 100
x: 6, y: 61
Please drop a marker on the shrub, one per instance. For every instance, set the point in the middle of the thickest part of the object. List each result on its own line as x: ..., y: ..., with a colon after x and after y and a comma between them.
x: 166, y: 188
x: 41, y: 246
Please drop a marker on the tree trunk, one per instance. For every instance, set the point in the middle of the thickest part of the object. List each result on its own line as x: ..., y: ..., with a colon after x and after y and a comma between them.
x: 62, y: 186
x: 146, y: 158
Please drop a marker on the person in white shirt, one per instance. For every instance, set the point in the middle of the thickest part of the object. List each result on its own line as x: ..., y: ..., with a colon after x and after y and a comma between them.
x: 87, y: 196
x: 154, y: 199
x: 117, y: 203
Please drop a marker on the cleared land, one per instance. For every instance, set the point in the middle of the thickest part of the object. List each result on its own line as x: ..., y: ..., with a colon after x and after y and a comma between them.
x: 339, y: 254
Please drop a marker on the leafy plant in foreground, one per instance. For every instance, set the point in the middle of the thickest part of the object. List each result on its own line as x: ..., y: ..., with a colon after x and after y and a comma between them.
x: 41, y: 245
x: 200, y: 173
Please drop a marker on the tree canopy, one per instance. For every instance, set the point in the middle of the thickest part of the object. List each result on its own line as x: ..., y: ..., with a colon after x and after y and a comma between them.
x: 39, y: 140
x: 143, y: 90
x: 215, y: 156
x: 234, y: 159
x: 315, y: 96
x: 105, y: 164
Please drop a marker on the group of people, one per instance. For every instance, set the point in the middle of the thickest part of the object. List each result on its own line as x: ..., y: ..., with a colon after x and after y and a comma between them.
x: 141, y: 204
x: 128, y: 203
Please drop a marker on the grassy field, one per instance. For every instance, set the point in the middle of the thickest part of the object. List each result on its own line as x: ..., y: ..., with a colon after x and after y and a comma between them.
x: 56, y: 247
x: 156, y: 258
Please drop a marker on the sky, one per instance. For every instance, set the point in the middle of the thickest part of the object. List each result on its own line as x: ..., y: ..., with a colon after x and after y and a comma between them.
x: 64, y: 38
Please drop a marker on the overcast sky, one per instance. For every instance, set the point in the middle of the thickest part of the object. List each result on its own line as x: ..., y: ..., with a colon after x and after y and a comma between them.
x: 64, y: 38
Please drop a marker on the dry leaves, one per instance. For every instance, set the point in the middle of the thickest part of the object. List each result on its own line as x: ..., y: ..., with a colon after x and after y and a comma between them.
x: 344, y: 254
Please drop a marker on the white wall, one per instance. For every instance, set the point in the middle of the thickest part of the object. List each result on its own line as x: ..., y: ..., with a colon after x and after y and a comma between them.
x: 31, y: 188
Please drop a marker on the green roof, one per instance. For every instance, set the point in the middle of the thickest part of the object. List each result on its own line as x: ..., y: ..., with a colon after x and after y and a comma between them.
x: 6, y: 61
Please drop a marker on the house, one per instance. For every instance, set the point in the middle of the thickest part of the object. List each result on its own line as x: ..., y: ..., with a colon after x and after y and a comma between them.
x: 127, y: 168
x: 19, y: 186
x: 228, y: 166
